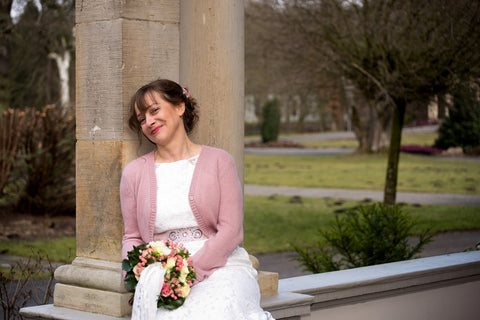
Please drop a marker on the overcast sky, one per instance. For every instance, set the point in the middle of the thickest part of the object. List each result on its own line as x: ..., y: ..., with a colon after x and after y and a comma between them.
x: 17, y: 8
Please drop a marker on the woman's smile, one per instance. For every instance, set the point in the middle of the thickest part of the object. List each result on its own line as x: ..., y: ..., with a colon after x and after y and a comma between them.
x: 155, y: 130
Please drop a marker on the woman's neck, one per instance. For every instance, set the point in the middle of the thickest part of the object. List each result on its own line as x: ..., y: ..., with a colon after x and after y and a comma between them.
x: 179, y: 151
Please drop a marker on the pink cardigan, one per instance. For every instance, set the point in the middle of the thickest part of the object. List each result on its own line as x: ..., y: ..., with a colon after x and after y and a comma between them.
x: 215, y: 197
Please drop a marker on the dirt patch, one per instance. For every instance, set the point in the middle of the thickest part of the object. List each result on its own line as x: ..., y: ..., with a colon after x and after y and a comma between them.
x: 29, y: 227
x: 275, y: 144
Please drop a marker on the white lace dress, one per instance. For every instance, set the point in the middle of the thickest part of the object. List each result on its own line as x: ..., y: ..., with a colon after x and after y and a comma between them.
x: 231, y: 292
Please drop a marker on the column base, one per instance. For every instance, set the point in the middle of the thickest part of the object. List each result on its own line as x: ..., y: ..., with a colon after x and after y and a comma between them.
x: 92, y: 285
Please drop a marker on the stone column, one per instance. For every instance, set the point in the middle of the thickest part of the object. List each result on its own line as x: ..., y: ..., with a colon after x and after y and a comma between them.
x: 120, y: 45
x: 212, y: 65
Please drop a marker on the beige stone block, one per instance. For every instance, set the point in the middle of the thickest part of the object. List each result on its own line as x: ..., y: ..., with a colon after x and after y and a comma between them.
x: 92, y: 273
x: 99, y: 59
x: 132, y: 150
x: 255, y: 262
x: 212, y: 56
x: 99, y: 219
x: 151, y: 51
x: 268, y: 282
x: 94, y: 10
x: 115, y: 58
x: 92, y: 300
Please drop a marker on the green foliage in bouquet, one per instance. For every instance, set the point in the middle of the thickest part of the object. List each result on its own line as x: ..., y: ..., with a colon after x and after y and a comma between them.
x: 128, y: 264
x: 365, y: 236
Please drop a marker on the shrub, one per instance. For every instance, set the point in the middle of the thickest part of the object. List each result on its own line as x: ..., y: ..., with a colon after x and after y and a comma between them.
x: 38, y: 169
x: 270, y: 121
x: 462, y: 127
x: 365, y: 236
x: 26, y: 282
x: 48, y: 159
x: 11, y: 121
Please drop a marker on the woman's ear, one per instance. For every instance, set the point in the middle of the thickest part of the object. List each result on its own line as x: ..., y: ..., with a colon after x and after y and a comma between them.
x: 181, y: 109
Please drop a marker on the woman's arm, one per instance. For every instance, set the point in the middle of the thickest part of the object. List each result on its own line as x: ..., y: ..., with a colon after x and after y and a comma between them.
x: 132, y: 236
x: 228, y: 216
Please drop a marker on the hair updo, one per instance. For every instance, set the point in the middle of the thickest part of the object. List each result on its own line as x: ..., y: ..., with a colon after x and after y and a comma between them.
x: 171, y: 92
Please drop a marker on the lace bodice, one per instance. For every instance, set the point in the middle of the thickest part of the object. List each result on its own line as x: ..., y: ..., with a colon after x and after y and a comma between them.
x: 173, y: 186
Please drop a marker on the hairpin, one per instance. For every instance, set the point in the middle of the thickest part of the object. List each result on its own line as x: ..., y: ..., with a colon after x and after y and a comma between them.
x: 186, y: 92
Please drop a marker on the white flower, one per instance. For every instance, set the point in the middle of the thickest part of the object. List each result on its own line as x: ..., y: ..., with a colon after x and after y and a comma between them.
x: 160, y: 247
x: 183, y: 272
x: 136, y: 272
x: 170, y: 263
x: 185, y: 290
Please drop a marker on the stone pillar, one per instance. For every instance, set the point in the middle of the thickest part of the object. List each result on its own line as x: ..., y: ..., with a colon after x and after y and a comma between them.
x: 120, y: 45
x: 212, y: 67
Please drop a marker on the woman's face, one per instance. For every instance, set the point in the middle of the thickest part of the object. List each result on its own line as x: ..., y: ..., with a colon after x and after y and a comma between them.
x: 162, y: 121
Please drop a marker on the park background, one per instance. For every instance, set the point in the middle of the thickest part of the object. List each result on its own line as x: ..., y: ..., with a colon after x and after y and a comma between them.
x: 314, y: 94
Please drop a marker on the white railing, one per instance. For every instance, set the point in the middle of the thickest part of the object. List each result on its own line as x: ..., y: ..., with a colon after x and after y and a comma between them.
x: 440, y: 287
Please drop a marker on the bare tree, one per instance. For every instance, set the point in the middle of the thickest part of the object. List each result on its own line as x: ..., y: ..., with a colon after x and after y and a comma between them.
x: 42, y: 52
x: 278, y: 63
x: 395, y: 52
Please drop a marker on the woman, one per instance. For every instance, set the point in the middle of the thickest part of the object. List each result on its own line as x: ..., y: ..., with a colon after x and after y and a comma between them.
x: 188, y: 193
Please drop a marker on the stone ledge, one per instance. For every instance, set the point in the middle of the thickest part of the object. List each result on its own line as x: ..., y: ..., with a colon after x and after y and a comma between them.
x: 51, y: 312
x: 282, y: 305
x: 365, y: 283
x: 287, y: 305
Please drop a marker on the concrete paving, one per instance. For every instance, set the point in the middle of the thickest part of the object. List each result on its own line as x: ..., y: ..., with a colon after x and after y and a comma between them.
x: 355, y: 194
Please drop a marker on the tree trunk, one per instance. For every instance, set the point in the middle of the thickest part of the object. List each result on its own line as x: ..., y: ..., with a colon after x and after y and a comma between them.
x: 442, y: 106
x: 390, y: 192
x: 371, y: 126
x: 5, y: 30
x: 63, y: 65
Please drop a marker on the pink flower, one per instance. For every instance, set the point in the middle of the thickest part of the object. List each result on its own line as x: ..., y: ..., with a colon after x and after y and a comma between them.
x: 166, y: 290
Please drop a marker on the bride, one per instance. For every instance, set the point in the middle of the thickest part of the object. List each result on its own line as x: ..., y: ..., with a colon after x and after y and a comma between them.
x: 187, y: 193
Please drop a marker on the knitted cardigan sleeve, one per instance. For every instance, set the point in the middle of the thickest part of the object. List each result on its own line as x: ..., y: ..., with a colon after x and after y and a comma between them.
x: 218, y: 206
x: 132, y: 234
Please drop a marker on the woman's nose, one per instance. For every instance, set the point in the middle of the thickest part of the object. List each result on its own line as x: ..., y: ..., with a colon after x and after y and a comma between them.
x: 149, y: 120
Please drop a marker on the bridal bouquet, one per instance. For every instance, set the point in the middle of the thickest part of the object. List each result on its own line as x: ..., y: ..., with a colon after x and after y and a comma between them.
x: 176, y: 261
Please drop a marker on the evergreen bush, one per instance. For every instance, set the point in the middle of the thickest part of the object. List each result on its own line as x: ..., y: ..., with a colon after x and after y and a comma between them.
x: 368, y: 235
x: 462, y: 127
x: 270, y: 121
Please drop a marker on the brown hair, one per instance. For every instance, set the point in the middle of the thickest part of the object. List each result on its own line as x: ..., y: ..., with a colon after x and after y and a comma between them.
x: 171, y: 92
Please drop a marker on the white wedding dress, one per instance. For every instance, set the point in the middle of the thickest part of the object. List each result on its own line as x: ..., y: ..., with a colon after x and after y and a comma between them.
x: 231, y: 292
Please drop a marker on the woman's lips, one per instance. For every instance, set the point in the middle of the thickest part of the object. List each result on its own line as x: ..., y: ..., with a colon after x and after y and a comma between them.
x: 156, y: 129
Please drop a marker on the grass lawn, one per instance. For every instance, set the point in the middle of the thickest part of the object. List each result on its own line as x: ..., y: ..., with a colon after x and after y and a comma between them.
x: 273, y: 223
x: 352, y: 171
x: 421, y: 139
x: 55, y: 250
